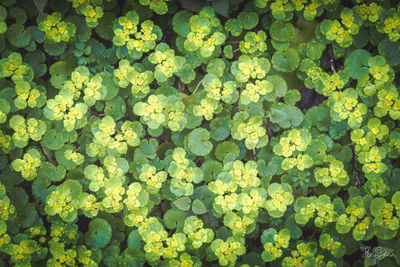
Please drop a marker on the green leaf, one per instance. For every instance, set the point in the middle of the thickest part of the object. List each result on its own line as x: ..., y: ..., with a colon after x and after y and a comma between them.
x: 391, y: 52
x: 204, y: 194
x: 104, y: 27
x: 356, y: 63
x: 227, y: 151
x: 115, y: 108
x: 60, y: 157
x: 216, y: 67
x: 285, y: 61
x: 315, y: 49
x: 99, y: 233
x: 219, y: 128
x: 249, y: 20
x: 18, y: 36
x: 53, y: 139
x: 268, y: 236
x: 198, y: 142
x: 281, y: 31
x: 295, y: 230
x: 55, y: 49
x: 252, y: 259
x: 75, y: 186
x: 83, y: 32
x: 174, y: 218
x: 193, y: 5
x: 183, y: 203
x: 292, y: 97
x: 186, y: 73
x: 19, y: 197
x: 40, y: 188
x: 112, y: 88
x: 211, y: 169
x: 394, y: 182
x: 286, y: 116
x: 134, y: 240
x: 19, y: 14
x: 3, y: 13
x: 341, y: 153
x: 60, y: 70
x: 36, y: 59
x: 28, y: 216
x: 3, y: 227
x: 180, y: 22
x: 319, y: 117
x: 279, y: 84
x: 51, y: 172
x: 221, y: 7
x: 317, y: 150
x: 362, y: 38
x: 40, y: 4
x: 234, y: 27
x: 376, y: 206
x: 198, y: 207
x: 59, y: 6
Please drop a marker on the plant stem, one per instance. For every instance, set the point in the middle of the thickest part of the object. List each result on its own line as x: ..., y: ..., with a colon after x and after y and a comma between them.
x: 358, y: 181
x: 331, y: 59
x: 197, y: 87
x: 48, y: 153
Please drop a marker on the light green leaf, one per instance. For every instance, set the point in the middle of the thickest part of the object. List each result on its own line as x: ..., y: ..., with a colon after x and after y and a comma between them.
x: 286, y: 116
x: 183, y: 203
x: 198, y: 207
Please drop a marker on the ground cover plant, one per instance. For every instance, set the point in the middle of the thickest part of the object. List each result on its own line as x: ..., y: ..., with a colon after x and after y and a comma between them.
x: 191, y: 133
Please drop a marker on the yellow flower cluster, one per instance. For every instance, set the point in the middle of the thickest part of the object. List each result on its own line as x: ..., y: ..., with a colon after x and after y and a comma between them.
x: 57, y: 30
x: 28, y: 165
x: 114, y: 195
x: 246, y: 175
x: 152, y: 178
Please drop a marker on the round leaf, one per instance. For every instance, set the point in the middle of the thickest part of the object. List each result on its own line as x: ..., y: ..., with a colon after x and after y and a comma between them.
x: 285, y: 61
x: 99, y: 233
x: 198, y: 207
x: 198, y: 142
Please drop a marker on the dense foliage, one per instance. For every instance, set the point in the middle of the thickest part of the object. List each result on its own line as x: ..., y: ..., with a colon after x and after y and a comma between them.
x: 190, y: 133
